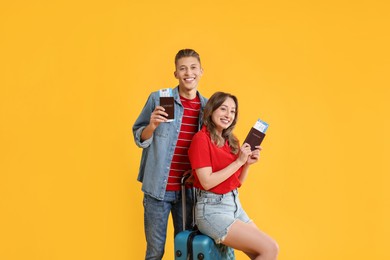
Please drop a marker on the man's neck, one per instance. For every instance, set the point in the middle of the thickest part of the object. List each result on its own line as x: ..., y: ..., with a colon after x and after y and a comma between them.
x: 187, y: 94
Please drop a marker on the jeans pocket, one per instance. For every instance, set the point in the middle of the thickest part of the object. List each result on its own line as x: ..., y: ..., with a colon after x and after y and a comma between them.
x: 144, y: 201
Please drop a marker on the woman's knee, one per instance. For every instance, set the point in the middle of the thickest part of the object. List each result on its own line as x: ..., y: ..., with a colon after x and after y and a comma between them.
x: 273, y: 249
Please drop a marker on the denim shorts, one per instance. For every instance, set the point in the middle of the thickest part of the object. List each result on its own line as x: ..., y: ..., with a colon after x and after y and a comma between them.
x: 215, y: 213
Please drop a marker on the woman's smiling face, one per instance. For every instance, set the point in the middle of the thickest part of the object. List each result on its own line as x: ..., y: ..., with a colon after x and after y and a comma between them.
x: 224, y: 115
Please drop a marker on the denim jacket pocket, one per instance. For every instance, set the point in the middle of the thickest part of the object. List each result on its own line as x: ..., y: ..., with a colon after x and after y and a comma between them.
x: 162, y: 131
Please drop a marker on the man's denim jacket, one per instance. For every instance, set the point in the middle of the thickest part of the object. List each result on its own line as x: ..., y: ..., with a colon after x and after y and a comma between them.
x: 158, y: 150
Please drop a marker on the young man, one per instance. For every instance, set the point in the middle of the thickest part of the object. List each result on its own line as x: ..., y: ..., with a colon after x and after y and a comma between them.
x: 165, y: 146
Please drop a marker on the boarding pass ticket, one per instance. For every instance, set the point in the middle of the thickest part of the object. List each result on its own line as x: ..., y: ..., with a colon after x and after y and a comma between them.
x: 261, y: 126
x: 166, y: 92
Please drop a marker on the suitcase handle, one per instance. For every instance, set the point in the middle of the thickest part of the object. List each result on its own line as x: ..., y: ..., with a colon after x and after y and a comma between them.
x: 187, y: 175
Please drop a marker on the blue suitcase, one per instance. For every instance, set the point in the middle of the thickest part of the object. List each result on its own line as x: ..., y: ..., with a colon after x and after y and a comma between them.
x: 192, y: 244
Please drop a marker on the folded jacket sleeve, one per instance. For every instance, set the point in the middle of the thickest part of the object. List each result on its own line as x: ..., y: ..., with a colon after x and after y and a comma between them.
x: 142, y: 121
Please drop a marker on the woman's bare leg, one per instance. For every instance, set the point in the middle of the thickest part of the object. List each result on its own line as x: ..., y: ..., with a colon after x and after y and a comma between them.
x: 252, y: 241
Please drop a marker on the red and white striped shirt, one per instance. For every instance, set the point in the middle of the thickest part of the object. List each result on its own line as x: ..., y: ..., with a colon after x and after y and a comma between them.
x: 189, y: 126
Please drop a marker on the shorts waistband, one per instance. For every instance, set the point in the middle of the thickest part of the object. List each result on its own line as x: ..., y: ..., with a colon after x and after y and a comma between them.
x: 209, y: 194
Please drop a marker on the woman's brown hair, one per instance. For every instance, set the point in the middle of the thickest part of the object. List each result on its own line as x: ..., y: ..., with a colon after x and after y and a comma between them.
x: 215, y: 101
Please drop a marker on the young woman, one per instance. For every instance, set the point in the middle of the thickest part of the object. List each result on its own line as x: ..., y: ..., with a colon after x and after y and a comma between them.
x: 220, y: 167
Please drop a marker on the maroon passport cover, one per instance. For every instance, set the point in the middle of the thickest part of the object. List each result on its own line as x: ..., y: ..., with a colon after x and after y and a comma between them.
x: 168, y: 104
x: 254, y: 138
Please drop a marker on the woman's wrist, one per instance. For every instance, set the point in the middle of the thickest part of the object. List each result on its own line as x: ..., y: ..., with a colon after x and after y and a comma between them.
x: 239, y: 162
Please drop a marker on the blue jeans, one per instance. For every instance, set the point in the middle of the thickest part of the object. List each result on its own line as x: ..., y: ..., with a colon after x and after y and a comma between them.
x: 156, y: 214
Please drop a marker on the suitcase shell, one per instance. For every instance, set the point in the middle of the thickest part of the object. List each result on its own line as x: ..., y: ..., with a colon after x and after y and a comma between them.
x: 198, y: 245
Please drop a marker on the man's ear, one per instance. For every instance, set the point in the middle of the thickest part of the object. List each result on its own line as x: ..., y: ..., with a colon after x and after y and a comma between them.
x: 175, y: 74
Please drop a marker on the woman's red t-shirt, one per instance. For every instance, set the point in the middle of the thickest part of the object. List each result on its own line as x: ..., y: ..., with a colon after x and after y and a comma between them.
x: 204, y: 153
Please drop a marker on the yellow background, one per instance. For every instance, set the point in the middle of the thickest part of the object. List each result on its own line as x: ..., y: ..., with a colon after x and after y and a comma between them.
x: 74, y: 76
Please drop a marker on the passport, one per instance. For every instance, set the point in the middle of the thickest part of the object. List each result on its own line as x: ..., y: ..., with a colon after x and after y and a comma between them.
x: 167, y: 102
x: 256, y: 134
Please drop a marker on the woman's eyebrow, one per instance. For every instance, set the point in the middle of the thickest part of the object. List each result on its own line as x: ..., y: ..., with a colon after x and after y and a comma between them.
x: 228, y: 107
